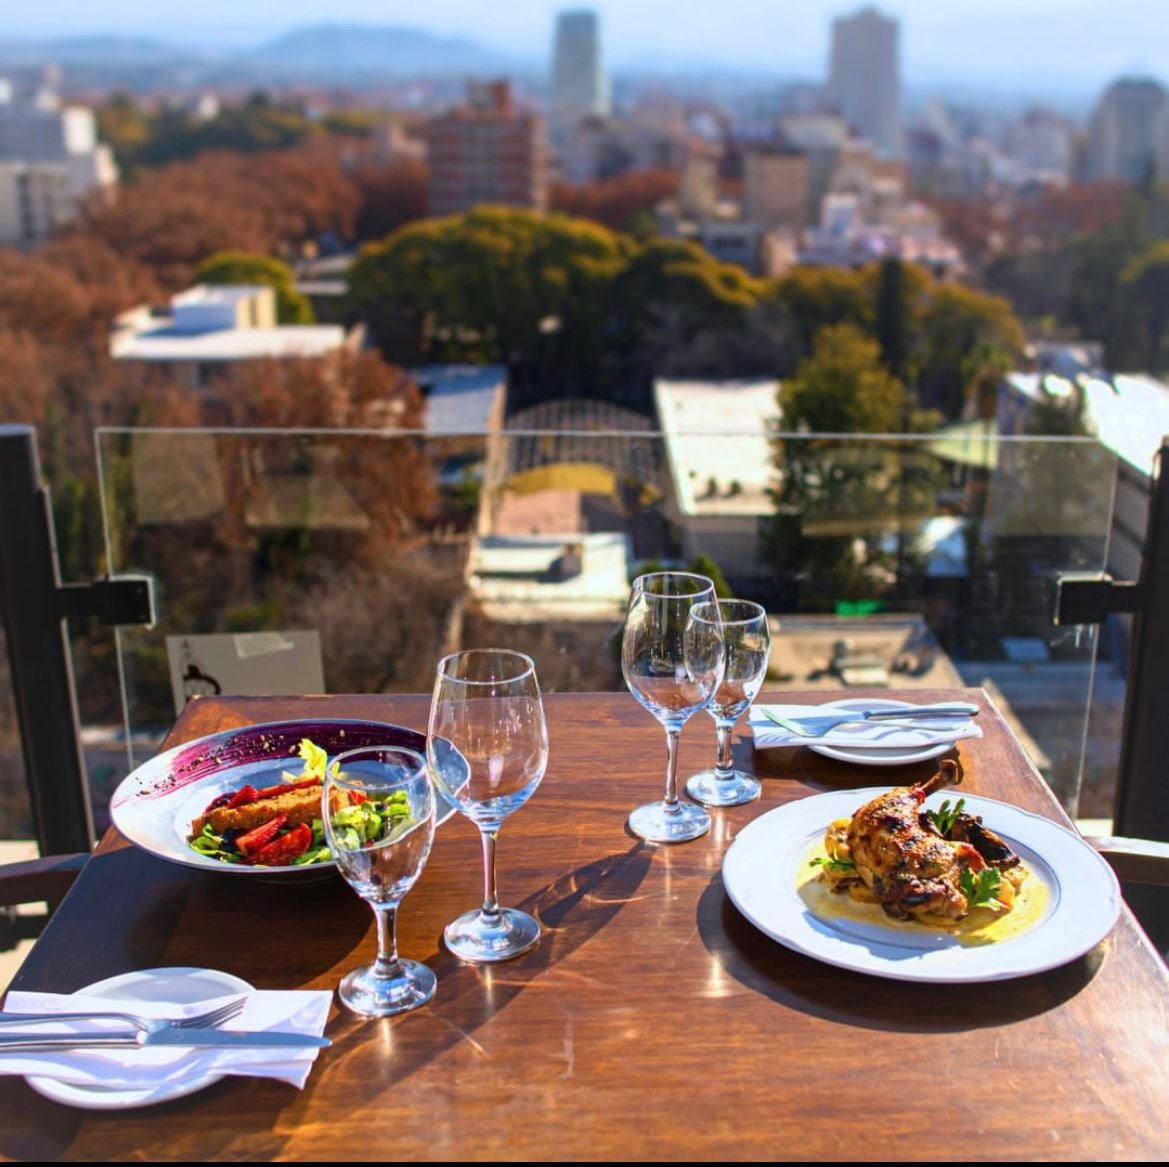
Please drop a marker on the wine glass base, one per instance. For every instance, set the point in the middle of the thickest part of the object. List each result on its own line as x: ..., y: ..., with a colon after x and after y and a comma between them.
x: 658, y: 822
x: 368, y: 995
x: 483, y: 939
x: 712, y: 790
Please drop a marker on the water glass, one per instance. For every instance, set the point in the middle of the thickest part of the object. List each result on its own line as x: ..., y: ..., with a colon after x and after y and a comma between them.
x: 748, y: 648
x: 672, y: 664
x: 487, y: 746
x: 377, y: 809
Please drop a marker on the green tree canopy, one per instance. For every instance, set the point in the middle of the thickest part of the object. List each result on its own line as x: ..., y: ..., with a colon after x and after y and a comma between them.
x: 567, y: 304
x: 490, y: 285
x: 241, y: 267
x: 818, y: 296
x: 898, y: 290
x: 958, y: 325
x: 1144, y: 298
x: 843, y: 387
x: 174, y: 133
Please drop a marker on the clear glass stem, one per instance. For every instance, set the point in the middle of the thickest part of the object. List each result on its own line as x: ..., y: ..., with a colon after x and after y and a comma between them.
x: 490, y: 897
x: 387, y: 966
x: 724, y: 768
x: 671, y: 799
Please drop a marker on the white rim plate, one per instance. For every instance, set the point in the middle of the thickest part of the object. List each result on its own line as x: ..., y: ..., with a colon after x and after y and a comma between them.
x: 761, y: 867
x: 876, y: 755
x: 183, y: 986
x: 155, y: 805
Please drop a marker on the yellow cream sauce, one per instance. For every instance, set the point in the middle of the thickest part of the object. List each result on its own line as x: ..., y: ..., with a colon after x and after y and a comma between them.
x: 981, y: 926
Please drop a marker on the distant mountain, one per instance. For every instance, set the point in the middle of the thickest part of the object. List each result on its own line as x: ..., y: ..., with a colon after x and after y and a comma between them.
x: 345, y: 52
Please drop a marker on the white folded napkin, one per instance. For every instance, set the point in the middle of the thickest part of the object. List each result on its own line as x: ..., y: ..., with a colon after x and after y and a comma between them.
x: 922, y: 732
x: 147, y: 1067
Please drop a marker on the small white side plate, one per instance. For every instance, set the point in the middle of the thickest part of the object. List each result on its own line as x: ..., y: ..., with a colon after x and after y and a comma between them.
x: 183, y: 986
x: 875, y: 755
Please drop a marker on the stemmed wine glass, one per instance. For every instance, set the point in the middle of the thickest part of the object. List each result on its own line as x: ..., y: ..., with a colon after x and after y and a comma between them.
x: 488, y: 747
x: 672, y: 664
x: 377, y: 809
x: 748, y: 641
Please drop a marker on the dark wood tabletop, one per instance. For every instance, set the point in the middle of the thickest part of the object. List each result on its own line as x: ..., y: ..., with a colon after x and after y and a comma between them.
x: 652, y: 1022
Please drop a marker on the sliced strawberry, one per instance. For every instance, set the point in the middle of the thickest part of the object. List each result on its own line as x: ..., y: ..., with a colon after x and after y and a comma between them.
x: 259, y: 837
x: 284, y: 850
x: 284, y: 787
x: 242, y: 797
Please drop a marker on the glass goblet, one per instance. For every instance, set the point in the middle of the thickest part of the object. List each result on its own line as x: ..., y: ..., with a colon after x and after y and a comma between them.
x: 672, y: 664
x: 748, y: 641
x: 488, y: 748
x: 377, y: 809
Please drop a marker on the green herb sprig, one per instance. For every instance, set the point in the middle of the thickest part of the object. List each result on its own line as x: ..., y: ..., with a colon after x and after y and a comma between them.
x: 945, y: 817
x: 981, y: 890
x: 833, y: 864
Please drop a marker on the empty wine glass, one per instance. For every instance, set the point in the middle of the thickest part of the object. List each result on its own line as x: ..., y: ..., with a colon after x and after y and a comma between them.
x: 748, y: 646
x: 488, y: 747
x: 377, y: 809
x: 672, y: 665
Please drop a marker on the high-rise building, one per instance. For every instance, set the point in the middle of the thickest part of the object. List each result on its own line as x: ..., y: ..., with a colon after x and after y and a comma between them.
x: 864, y: 77
x: 49, y: 159
x: 487, y: 151
x: 580, y: 88
x: 1129, y: 132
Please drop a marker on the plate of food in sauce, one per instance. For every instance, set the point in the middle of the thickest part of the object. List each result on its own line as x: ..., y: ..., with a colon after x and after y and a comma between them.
x: 247, y: 801
x: 916, y: 883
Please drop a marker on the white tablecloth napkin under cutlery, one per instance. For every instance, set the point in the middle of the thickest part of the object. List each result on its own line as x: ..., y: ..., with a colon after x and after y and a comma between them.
x: 150, y: 1066
x: 867, y: 735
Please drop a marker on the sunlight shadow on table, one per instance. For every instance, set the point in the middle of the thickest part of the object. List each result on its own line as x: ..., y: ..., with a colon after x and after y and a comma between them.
x: 571, y: 911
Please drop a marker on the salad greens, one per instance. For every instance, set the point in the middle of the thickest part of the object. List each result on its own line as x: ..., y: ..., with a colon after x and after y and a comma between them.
x: 359, y: 823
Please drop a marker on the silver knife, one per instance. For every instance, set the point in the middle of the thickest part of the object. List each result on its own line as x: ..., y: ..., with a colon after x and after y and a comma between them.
x: 229, y: 1038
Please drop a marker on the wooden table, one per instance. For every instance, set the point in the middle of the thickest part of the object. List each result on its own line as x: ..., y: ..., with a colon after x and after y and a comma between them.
x: 652, y: 1022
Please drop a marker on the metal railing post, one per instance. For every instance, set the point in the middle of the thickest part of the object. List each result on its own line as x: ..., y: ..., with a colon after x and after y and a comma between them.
x: 38, y: 651
x: 1142, y: 790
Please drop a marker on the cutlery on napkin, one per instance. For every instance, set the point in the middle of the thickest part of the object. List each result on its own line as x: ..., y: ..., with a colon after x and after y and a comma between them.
x: 857, y: 735
x: 142, y: 1067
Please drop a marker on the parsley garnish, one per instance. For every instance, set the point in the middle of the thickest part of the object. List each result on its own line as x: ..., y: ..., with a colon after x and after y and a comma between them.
x: 945, y: 817
x: 833, y: 864
x: 981, y: 890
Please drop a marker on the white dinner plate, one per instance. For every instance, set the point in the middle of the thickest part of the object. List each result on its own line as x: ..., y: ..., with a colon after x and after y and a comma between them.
x: 183, y: 986
x: 760, y: 871
x: 876, y: 755
x: 156, y: 804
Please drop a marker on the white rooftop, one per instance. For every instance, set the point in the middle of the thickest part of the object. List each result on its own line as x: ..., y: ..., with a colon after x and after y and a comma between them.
x: 216, y: 294
x: 231, y: 344
x: 715, y: 434
x: 1129, y: 413
x: 460, y: 399
x: 514, y: 578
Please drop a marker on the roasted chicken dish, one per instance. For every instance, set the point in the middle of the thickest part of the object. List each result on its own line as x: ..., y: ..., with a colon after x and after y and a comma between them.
x: 917, y: 864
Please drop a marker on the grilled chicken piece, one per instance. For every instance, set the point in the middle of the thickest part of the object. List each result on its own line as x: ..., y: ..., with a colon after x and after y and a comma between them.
x: 996, y: 851
x: 899, y: 853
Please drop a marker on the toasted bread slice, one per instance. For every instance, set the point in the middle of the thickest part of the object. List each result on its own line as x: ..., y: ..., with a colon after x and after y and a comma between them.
x: 301, y: 806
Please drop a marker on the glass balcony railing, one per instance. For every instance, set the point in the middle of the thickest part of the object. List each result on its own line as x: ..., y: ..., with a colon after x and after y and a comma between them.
x: 338, y: 561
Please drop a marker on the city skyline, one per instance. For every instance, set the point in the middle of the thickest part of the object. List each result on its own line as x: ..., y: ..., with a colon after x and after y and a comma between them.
x: 1028, y: 44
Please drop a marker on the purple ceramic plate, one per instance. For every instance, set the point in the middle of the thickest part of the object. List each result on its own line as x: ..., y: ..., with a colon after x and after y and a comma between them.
x: 156, y: 804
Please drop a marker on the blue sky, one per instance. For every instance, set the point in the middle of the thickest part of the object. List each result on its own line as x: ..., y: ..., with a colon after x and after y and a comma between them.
x: 1017, y: 42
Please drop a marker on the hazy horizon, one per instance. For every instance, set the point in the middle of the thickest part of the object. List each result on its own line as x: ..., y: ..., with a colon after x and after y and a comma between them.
x: 1028, y: 45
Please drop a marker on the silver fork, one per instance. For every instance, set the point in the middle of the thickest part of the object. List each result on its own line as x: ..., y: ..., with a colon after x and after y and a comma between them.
x: 146, y: 1025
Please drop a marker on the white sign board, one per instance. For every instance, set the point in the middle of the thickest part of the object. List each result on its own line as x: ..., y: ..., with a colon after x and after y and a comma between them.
x: 247, y: 663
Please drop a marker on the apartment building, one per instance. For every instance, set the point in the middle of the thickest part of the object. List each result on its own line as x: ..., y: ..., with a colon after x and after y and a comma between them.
x: 487, y: 151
